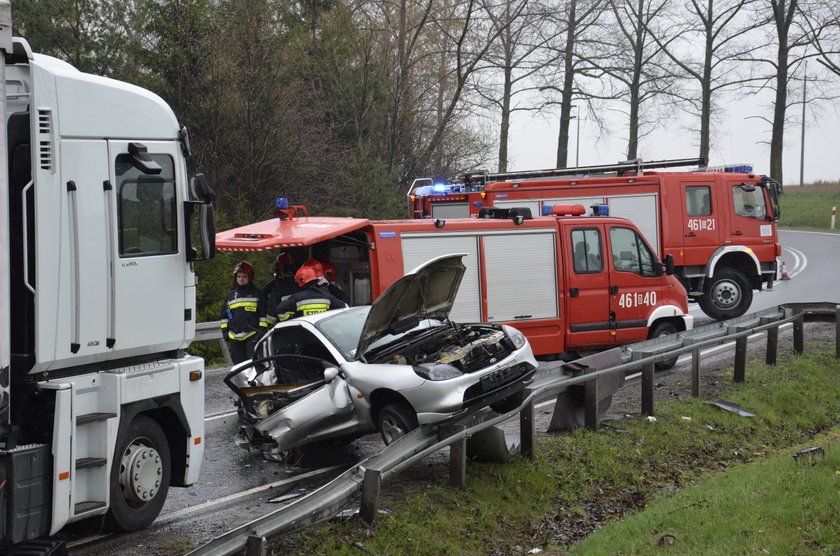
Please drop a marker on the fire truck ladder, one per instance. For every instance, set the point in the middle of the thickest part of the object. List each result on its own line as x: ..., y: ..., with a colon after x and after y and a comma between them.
x: 637, y: 166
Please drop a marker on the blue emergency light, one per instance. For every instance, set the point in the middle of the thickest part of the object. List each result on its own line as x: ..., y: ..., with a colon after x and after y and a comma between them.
x: 600, y: 209
x: 439, y: 188
x: 546, y: 210
x: 281, y: 203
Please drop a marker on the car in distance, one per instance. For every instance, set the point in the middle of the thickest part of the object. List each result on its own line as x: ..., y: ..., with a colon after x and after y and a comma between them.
x: 386, y: 367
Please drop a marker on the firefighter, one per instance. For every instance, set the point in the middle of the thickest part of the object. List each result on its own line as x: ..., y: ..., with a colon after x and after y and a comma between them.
x: 314, y: 297
x: 331, y: 274
x: 243, y: 315
x: 281, y: 287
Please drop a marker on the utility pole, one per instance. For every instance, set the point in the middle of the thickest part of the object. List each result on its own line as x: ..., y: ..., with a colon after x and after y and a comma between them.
x: 802, y: 153
x: 577, y: 141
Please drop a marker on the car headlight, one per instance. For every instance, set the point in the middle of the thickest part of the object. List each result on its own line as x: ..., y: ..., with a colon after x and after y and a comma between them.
x: 516, y: 337
x: 437, y: 371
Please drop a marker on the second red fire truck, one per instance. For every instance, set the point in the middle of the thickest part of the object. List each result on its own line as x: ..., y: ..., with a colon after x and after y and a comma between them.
x: 569, y: 282
x: 719, y: 226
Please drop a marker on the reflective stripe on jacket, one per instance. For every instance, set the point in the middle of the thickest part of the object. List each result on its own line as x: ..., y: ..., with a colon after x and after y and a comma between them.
x: 243, y: 313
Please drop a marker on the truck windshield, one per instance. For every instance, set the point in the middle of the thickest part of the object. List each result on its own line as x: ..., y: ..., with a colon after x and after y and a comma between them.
x: 748, y: 201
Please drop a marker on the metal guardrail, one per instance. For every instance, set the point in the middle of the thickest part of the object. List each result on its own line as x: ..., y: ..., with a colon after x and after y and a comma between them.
x: 366, y: 476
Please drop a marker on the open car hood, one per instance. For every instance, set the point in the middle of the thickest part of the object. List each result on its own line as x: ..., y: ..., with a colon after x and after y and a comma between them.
x: 427, y: 291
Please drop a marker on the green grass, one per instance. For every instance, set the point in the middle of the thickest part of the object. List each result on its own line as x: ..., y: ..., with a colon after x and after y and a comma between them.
x: 809, y: 207
x: 688, y: 458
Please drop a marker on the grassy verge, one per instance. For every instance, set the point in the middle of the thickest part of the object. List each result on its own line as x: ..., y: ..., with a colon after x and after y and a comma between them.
x: 581, y: 480
x: 809, y: 207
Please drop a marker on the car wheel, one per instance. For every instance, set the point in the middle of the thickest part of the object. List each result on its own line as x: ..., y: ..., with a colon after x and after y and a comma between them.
x: 661, y: 329
x: 727, y: 295
x: 139, y: 476
x: 508, y: 404
x: 396, y: 420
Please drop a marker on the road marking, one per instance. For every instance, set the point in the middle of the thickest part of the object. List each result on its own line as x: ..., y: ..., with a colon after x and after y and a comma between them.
x: 214, y: 416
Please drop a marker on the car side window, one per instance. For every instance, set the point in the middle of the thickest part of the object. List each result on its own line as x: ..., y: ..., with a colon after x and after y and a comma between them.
x: 630, y: 253
x: 146, y: 208
x: 698, y: 200
x: 586, y: 250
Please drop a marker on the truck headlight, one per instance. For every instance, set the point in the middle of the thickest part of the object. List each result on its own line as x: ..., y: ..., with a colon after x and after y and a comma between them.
x: 437, y: 371
x: 516, y: 337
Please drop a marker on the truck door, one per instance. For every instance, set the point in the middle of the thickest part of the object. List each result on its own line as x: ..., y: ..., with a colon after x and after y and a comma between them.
x: 749, y: 224
x: 588, y: 307
x: 703, y: 217
x: 635, y: 283
x: 148, y: 247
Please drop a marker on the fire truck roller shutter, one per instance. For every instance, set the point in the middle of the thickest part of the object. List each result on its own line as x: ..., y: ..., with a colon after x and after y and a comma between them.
x: 450, y: 210
x: 419, y: 248
x: 523, y: 282
x: 642, y: 211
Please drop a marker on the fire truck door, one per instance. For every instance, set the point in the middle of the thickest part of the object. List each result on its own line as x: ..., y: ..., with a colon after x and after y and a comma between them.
x: 703, y: 217
x: 588, y: 306
x: 635, y: 283
x: 749, y: 224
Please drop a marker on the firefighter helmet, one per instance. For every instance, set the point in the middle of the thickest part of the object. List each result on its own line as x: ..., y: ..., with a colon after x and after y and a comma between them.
x: 330, y: 272
x: 283, y: 262
x: 309, y: 271
x: 244, y: 266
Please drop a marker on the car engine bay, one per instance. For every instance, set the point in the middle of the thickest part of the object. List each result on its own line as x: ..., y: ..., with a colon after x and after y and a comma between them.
x: 468, y: 347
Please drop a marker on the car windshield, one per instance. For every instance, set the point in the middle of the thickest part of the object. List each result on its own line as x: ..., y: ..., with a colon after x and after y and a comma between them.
x: 345, y: 328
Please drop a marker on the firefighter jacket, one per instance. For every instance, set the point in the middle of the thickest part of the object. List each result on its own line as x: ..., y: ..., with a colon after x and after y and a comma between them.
x: 313, y: 298
x: 243, y: 314
x: 274, y: 293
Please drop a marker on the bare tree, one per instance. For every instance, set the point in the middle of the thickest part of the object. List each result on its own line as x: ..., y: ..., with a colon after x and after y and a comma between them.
x: 713, y: 68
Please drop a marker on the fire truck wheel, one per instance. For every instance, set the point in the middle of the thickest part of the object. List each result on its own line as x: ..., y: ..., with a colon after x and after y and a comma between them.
x: 661, y: 329
x: 728, y: 295
x: 139, y: 476
x: 396, y: 420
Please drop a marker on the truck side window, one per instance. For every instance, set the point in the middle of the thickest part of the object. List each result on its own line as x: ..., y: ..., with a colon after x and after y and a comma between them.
x: 630, y: 253
x: 586, y: 251
x: 749, y: 201
x: 698, y: 200
x: 146, y: 208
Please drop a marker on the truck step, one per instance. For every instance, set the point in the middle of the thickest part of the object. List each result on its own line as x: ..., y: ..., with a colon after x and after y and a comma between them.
x: 81, y: 463
x: 84, y: 507
x: 94, y: 417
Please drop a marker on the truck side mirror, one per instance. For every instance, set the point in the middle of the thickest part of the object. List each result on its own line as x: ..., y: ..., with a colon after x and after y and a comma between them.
x: 202, y: 197
x: 669, y: 265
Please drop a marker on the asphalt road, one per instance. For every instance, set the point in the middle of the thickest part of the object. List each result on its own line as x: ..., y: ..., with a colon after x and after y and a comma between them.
x: 236, y: 486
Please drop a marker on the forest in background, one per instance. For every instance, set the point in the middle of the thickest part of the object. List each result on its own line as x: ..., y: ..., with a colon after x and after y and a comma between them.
x: 340, y: 104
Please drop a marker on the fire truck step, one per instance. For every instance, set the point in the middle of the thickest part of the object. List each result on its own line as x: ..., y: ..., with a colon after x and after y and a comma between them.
x: 83, y: 507
x: 94, y: 417
x: 81, y: 463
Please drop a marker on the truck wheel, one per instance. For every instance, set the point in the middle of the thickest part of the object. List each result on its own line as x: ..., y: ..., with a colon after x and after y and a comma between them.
x: 139, y: 476
x: 395, y: 421
x: 662, y: 329
x: 727, y: 295
x: 508, y: 404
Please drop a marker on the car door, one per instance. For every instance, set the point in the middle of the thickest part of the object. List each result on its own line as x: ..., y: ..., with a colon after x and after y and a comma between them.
x: 635, y: 283
x: 590, y: 323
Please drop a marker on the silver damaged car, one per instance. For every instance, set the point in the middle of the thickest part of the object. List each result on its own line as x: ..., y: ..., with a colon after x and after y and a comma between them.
x: 386, y: 367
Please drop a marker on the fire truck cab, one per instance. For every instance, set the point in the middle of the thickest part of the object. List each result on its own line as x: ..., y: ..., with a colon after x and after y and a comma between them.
x: 569, y: 282
x: 719, y: 226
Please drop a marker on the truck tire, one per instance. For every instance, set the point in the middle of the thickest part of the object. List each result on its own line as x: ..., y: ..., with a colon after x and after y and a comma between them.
x: 727, y: 295
x: 139, y: 476
x: 395, y: 421
x: 661, y: 329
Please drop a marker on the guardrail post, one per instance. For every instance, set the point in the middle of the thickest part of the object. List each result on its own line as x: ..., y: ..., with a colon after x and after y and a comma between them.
x: 695, y: 373
x: 370, y: 494
x: 837, y: 333
x: 226, y: 352
x: 799, y: 332
x: 772, y: 345
x: 740, y: 359
x: 647, y: 389
x: 527, y: 430
x: 590, y: 404
x: 255, y: 546
x: 458, y: 460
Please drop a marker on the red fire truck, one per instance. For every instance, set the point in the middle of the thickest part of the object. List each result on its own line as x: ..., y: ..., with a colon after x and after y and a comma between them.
x: 718, y: 224
x: 569, y: 282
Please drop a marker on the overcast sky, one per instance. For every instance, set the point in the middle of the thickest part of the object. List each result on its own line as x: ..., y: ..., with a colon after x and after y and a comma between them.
x: 533, y: 143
